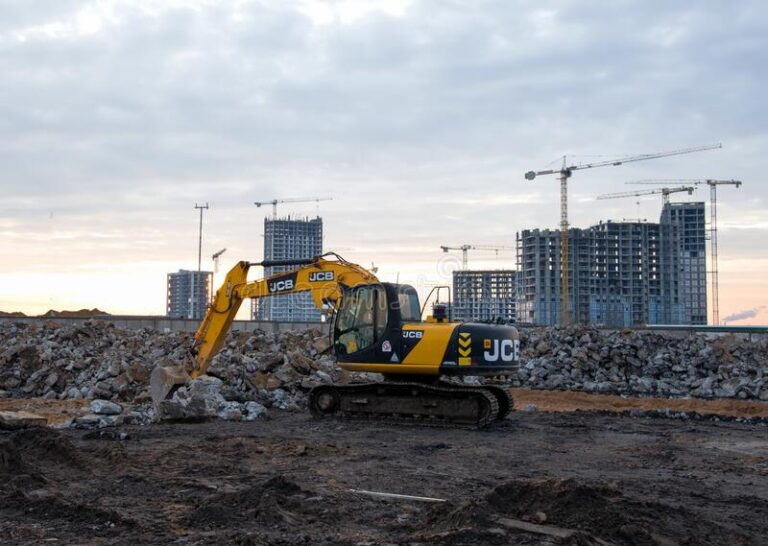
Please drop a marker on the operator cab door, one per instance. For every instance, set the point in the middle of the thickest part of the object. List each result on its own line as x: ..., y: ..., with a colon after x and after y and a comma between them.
x: 369, y: 324
x: 361, y: 324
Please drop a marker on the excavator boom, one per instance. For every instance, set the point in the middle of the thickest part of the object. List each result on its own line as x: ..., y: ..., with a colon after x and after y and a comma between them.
x: 321, y: 277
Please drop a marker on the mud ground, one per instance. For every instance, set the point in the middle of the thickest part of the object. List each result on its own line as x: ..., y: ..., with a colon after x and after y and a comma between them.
x: 576, y: 478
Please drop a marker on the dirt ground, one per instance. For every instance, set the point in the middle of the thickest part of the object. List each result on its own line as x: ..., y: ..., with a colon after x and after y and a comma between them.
x: 567, y: 478
x: 573, y: 400
x: 60, y: 412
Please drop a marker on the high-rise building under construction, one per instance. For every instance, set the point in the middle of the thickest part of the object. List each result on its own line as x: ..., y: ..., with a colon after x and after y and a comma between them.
x: 620, y: 273
x: 484, y: 296
x: 289, y: 239
x: 188, y: 294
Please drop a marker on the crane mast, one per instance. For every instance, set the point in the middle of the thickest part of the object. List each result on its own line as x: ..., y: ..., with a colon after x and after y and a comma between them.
x: 564, y: 173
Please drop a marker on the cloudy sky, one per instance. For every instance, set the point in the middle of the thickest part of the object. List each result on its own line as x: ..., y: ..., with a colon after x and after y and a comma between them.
x: 419, y: 119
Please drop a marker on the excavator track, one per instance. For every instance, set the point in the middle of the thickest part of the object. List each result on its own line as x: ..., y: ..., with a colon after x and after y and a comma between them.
x: 503, y: 398
x: 441, y: 404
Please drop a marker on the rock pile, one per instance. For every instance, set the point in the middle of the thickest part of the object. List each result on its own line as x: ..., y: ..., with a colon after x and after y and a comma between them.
x: 97, y: 361
x: 644, y: 363
x: 257, y: 370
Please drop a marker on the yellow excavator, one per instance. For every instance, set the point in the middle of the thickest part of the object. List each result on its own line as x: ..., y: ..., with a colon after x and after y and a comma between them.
x: 376, y: 327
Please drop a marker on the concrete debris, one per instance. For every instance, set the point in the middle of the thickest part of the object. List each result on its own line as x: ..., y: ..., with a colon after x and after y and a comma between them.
x: 92, y: 420
x: 105, y: 407
x: 641, y: 362
x: 256, y: 371
x: 100, y: 362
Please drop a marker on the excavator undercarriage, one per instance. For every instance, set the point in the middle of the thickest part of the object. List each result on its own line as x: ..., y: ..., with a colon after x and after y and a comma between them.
x: 438, y: 404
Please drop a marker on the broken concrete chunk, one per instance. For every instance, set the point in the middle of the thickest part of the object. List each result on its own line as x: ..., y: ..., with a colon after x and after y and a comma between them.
x: 105, y: 407
x: 230, y: 411
x: 254, y: 411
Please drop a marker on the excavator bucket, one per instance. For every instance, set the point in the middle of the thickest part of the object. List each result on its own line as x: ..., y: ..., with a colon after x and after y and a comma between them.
x: 164, y: 380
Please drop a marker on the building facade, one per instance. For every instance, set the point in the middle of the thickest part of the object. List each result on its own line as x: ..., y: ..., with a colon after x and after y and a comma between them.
x: 620, y: 273
x: 484, y: 295
x: 289, y: 239
x: 683, y: 247
x: 188, y: 294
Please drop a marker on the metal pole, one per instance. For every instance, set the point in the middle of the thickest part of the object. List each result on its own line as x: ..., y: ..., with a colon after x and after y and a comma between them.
x: 195, y: 285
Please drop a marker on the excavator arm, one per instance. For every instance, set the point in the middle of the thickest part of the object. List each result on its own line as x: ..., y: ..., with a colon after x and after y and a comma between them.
x: 324, y: 279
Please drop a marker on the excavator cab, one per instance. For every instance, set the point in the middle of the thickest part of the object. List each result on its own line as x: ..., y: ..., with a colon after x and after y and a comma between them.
x: 371, y: 317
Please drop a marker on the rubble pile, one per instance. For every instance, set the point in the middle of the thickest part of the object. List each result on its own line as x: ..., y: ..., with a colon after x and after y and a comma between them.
x: 98, y: 361
x: 255, y: 371
x: 644, y: 363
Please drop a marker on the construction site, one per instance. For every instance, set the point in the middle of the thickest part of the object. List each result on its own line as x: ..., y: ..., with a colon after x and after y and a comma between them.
x: 614, y: 438
x: 383, y: 273
x: 587, y: 404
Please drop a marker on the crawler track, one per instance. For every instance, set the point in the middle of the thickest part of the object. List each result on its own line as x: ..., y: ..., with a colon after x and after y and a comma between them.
x: 441, y: 404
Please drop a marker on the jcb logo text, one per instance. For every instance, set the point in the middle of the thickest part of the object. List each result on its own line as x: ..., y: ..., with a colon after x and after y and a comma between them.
x: 281, y: 286
x: 320, y: 276
x: 505, y: 349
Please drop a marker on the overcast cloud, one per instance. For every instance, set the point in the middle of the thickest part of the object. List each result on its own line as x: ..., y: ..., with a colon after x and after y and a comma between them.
x: 419, y: 118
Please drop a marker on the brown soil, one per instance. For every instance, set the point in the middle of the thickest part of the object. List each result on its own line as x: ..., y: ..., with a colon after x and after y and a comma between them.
x: 609, y: 479
x: 572, y: 401
x: 58, y: 412
x: 82, y: 313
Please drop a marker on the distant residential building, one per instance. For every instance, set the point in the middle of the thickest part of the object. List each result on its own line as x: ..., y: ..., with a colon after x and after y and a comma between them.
x: 484, y: 295
x: 683, y: 248
x: 188, y: 294
x: 289, y: 239
x: 620, y: 273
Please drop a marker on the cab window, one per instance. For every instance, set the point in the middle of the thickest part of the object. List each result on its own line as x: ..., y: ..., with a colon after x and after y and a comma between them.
x: 362, y: 318
x: 408, y: 301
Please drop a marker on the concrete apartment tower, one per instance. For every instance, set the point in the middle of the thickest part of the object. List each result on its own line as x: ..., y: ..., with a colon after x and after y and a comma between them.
x: 286, y: 239
x: 684, y: 255
x: 484, y: 296
x: 188, y: 294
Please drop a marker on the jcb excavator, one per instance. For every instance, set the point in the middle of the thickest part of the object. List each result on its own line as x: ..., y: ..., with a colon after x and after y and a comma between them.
x: 377, y: 327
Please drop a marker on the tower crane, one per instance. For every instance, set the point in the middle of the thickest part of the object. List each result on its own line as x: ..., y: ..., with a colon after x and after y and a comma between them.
x: 274, y: 202
x: 466, y: 248
x: 713, y: 184
x: 564, y: 173
x: 663, y: 191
